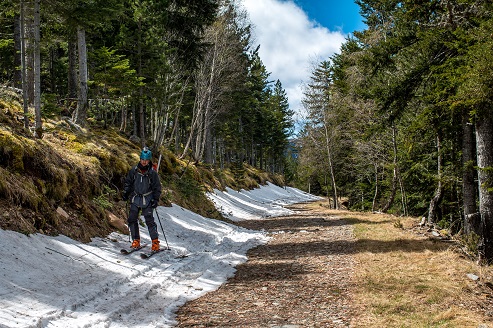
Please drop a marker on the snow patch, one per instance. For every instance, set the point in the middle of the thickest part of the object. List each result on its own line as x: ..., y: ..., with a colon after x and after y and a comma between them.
x: 58, y: 282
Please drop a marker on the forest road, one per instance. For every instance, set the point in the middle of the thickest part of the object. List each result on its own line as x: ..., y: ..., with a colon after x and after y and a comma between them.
x: 301, y: 278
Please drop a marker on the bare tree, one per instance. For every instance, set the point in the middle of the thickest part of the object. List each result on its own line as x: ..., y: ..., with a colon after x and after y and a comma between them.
x: 484, y: 146
x: 437, y: 197
x: 326, y: 130
x: 217, y: 74
x: 472, y: 219
x: 328, y: 148
x: 80, y: 114
x: 172, y: 85
x: 37, y: 71
x: 18, y: 48
x: 25, y: 97
x: 393, y: 191
x: 72, y: 65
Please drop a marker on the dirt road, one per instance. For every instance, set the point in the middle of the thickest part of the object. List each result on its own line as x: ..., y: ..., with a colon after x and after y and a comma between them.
x: 301, y: 278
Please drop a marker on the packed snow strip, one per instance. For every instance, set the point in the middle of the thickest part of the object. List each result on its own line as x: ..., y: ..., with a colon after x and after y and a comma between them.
x: 263, y: 202
x: 58, y: 282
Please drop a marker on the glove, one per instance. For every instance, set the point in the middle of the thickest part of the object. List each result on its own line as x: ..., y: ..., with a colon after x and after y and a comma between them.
x: 153, y: 203
x: 124, y: 197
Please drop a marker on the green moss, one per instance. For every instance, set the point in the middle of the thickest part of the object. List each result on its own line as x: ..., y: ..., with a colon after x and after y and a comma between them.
x: 76, y: 170
x: 12, y: 151
x: 19, y: 189
x: 40, y: 185
x: 168, y: 164
x: 58, y: 188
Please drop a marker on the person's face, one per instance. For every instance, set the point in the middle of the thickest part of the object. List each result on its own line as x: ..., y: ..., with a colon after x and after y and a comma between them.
x: 144, y: 162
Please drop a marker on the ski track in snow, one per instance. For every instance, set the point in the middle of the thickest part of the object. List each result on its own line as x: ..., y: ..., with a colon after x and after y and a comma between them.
x: 48, y: 282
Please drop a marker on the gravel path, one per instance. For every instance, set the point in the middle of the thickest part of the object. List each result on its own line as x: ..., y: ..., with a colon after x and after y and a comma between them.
x: 301, y: 278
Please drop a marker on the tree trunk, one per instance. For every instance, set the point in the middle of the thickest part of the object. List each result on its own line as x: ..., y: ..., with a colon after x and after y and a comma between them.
x: 375, y: 195
x: 72, y: 66
x: 433, y: 215
x: 17, y: 83
x: 29, y: 41
x: 206, y: 100
x: 199, y: 137
x: 134, y: 121
x: 123, y: 125
x: 160, y: 126
x: 192, y: 130
x: 484, y: 146
x: 394, y: 172
x: 331, y: 165
x: 25, y: 98
x: 141, y: 89
x: 80, y: 115
x: 37, y: 71
x: 53, y: 76
x: 472, y: 219
x: 208, y: 145
x: 175, y: 133
x: 403, y: 194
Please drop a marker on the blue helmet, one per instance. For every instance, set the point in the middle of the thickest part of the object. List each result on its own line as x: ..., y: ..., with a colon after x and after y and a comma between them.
x: 146, y: 154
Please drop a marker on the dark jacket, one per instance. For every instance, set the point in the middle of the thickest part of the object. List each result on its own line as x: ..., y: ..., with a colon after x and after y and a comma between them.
x: 142, y: 186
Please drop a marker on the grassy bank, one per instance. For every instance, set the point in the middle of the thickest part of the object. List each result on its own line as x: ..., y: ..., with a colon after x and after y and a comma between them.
x: 406, y: 277
x: 70, y: 181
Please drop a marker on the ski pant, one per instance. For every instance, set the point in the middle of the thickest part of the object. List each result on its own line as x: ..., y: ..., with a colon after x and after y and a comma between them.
x: 133, y: 221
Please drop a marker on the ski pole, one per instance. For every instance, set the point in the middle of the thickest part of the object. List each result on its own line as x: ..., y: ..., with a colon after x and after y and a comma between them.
x: 164, y: 235
x: 128, y: 215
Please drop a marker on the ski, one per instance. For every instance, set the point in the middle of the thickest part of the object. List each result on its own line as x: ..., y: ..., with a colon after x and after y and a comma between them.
x: 151, y: 253
x: 131, y: 250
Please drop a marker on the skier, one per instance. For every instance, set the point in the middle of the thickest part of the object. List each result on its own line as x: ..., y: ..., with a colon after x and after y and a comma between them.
x: 143, y: 188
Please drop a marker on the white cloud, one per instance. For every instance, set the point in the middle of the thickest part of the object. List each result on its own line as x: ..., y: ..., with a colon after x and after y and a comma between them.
x: 289, y: 42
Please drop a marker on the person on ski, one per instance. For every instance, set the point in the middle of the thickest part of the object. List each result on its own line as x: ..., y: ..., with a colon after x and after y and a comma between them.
x: 143, y: 189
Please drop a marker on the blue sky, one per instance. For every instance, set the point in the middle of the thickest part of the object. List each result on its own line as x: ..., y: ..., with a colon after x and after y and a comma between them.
x: 335, y: 15
x: 295, y: 35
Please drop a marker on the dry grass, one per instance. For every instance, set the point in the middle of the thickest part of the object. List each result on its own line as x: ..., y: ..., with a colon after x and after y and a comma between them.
x: 404, y: 278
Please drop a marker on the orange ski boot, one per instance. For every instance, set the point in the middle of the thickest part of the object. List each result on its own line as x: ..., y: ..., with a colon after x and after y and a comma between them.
x: 135, y: 243
x: 155, y: 245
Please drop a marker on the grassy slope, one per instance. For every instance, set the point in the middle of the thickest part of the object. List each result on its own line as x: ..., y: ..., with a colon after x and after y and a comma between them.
x: 81, y: 172
x: 406, y: 277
